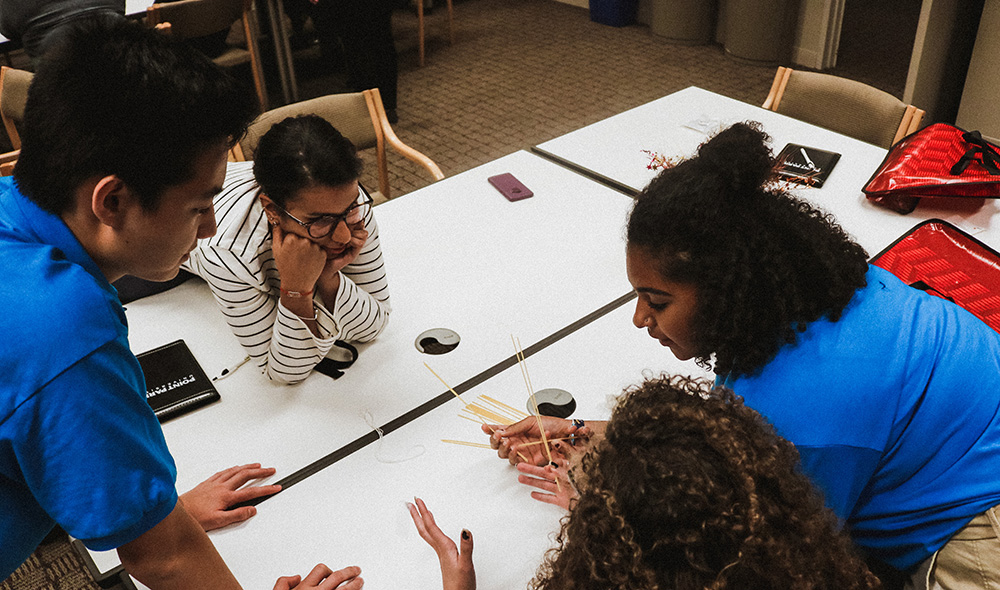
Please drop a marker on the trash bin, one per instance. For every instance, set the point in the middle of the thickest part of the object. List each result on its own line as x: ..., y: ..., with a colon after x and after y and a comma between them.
x: 617, y: 13
x: 760, y: 31
x: 685, y: 22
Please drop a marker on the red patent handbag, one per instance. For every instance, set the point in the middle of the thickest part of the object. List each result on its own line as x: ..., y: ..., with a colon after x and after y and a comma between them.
x: 940, y: 160
x: 937, y: 257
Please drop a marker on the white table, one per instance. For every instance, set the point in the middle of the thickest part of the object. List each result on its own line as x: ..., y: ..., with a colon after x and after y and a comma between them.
x: 677, y: 124
x: 458, y: 256
x: 353, y: 513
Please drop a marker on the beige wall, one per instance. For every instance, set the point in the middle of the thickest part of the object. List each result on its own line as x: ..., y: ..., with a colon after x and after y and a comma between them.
x: 941, y: 50
x: 979, y: 108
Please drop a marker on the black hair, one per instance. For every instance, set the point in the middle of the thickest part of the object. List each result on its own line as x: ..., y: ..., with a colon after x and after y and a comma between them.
x: 115, y: 98
x: 764, y: 263
x: 301, y: 152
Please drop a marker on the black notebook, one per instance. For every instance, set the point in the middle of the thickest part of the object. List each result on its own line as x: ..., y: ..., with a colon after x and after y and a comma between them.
x: 175, y: 382
x: 805, y: 165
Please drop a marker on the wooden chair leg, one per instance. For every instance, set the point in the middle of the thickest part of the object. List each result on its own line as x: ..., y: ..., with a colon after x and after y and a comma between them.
x: 420, y: 30
x: 451, y: 23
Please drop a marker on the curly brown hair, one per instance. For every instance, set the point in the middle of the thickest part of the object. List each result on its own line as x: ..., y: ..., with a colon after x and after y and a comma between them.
x: 764, y: 263
x: 690, y: 489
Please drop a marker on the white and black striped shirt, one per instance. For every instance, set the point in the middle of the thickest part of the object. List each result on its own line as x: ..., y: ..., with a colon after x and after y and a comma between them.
x: 238, y: 265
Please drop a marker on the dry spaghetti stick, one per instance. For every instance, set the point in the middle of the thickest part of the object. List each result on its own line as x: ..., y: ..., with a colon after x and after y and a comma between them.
x: 494, y: 408
x: 519, y: 355
x: 534, y: 404
x: 470, y: 419
x: 446, y: 384
x: 486, y: 414
x: 512, y: 410
x: 487, y: 411
x: 531, y: 390
x: 466, y: 443
x: 538, y: 442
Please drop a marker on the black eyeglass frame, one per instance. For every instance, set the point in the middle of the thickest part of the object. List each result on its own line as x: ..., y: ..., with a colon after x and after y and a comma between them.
x: 337, y: 219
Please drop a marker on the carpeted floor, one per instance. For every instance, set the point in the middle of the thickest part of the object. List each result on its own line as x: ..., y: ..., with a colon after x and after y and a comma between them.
x: 520, y: 72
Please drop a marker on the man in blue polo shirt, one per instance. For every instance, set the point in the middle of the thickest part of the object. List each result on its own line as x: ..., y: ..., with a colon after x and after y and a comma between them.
x: 124, y: 146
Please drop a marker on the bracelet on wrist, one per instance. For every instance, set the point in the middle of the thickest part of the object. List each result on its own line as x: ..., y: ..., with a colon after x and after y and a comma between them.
x: 314, y: 317
x: 296, y: 294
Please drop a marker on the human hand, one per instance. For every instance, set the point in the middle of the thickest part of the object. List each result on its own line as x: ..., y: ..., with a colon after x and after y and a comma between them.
x: 457, y: 572
x: 300, y: 261
x: 323, y: 578
x: 545, y: 478
x: 522, y: 441
x: 209, y: 501
x: 359, y: 236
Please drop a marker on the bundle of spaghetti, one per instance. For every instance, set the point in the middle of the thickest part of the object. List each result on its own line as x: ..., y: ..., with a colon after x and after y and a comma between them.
x: 493, y: 411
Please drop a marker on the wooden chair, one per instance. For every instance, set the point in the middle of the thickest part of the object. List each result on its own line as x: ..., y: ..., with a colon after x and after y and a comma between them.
x: 7, y: 162
x: 13, y: 96
x: 420, y: 27
x: 198, y: 18
x: 359, y: 116
x: 845, y: 106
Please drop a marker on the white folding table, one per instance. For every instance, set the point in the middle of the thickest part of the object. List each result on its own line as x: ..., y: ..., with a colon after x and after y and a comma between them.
x: 614, y: 151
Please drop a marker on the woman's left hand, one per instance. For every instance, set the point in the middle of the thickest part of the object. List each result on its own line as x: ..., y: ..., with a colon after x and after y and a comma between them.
x: 457, y: 572
x: 359, y: 235
x: 553, y: 480
x: 329, y: 280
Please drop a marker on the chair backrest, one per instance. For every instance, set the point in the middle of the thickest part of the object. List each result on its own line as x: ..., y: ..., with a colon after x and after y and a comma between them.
x: 359, y: 116
x: 197, y: 18
x: 349, y: 113
x: 7, y: 162
x: 189, y: 19
x: 845, y: 106
x: 13, y: 96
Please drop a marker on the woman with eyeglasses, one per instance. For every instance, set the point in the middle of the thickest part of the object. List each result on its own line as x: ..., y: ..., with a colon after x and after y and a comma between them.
x: 296, y: 264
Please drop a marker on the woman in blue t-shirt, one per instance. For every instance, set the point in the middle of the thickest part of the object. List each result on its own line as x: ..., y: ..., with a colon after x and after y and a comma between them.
x: 891, y: 395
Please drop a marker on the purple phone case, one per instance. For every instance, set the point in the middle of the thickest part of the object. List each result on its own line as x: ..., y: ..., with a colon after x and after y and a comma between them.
x: 510, y: 187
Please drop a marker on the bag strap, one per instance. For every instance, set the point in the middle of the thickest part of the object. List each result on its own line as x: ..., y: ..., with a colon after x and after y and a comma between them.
x: 334, y: 368
x: 989, y: 158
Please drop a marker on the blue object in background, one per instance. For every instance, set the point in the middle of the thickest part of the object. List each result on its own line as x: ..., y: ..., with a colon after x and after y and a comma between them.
x: 616, y: 13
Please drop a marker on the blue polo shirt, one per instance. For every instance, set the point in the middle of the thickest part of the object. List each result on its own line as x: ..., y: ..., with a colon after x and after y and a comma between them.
x: 895, y: 411
x: 79, y: 445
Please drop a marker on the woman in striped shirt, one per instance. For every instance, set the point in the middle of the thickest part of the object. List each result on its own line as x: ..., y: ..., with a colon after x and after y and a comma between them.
x: 296, y: 264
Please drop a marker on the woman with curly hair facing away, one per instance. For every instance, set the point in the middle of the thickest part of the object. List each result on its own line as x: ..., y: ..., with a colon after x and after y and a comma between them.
x: 891, y: 395
x: 688, y: 489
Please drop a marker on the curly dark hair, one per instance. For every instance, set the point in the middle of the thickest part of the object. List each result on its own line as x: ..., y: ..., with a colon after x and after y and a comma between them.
x: 690, y: 489
x: 764, y: 263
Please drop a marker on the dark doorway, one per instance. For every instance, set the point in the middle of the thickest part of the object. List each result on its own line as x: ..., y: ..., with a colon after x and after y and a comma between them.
x: 876, y: 41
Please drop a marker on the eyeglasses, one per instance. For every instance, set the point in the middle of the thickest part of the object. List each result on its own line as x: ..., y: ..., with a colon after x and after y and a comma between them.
x: 323, y: 226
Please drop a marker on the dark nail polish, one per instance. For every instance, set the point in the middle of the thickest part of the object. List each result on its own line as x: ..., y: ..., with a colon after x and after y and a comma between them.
x: 466, y: 535
x: 553, y: 463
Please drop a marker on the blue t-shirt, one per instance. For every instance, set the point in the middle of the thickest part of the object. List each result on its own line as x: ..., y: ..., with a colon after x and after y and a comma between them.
x: 79, y: 445
x: 895, y: 411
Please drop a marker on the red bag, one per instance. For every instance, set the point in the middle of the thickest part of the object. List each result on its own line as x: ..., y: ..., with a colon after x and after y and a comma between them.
x: 941, y: 259
x: 940, y: 160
